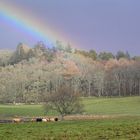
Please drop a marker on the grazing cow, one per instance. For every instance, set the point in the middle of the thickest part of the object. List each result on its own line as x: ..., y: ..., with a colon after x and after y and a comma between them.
x: 44, y: 120
x: 47, y: 119
x: 53, y: 119
x: 16, y: 120
x: 38, y: 119
x: 56, y: 119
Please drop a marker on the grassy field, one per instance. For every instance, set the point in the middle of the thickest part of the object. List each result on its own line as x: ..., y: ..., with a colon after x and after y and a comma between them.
x: 124, y: 127
x: 116, y: 106
x: 118, y: 129
x: 21, y: 110
x: 95, y: 106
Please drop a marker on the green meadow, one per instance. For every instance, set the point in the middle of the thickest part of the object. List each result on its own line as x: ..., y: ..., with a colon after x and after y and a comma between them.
x: 95, y: 106
x: 124, y: 127
x: 113, y: 129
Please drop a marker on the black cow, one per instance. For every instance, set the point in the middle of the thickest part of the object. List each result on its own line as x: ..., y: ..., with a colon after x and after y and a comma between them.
x: 38, y: 119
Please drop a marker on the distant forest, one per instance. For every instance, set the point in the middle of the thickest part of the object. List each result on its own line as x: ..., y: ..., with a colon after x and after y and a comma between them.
x: 27, y: 75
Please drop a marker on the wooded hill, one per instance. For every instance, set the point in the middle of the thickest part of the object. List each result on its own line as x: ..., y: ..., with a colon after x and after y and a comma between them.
x: 29, y: 74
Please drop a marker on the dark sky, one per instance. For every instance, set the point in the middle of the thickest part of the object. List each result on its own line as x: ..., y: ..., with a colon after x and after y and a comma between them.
x: 103, y: 25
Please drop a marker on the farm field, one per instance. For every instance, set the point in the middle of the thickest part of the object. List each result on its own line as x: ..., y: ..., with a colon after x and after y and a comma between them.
x: 93, y: 106
x: 125, y: 126
x: 113, y: 129
x: 112, y: 106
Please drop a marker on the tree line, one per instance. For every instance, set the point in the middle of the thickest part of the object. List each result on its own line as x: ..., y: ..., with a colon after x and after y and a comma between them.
x: 30, y: 75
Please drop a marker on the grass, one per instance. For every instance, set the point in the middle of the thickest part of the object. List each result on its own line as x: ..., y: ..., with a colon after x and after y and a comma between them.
x: 21, y: 110
x: 119, y: 128
x: 114, y: 129
x: 95, y: 106
x: 112, y: 106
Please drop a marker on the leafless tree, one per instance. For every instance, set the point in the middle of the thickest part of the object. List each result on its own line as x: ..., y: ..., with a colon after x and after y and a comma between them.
x: 65, y: 101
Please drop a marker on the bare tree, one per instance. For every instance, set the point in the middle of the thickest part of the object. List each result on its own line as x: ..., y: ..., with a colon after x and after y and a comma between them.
x: 65, y: 101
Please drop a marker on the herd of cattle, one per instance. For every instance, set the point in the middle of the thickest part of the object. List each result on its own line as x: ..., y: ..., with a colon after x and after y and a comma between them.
x: 18, y: 120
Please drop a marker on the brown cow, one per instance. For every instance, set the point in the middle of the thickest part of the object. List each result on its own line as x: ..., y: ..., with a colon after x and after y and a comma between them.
x: 53, y: 119
x: 44, y: 120
x: 16, y: 120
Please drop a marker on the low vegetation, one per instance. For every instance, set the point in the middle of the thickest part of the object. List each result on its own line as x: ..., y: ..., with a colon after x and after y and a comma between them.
x: 92, y: 106
x: 126, y: 128
x: 122, y: 121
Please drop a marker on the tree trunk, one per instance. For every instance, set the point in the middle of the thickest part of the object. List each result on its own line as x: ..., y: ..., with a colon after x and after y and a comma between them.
x: 89, y: 90
x: 119, y: 89
x: 139, y: 87
x: 61, y: 117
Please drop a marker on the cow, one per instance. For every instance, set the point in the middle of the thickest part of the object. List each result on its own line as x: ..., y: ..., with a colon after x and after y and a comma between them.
x: 44, y: 120
x: 47, y: 119
x: 38, y: 119
x: 53, y: 119
x: 16, y: 120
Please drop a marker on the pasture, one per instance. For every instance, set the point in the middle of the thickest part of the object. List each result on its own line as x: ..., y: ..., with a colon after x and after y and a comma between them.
x: 92, y: 106
x: 113, y: 129
x: 124, y: 125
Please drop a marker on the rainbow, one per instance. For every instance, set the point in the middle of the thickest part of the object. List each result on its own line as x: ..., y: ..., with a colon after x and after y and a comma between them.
x: 26, y: 23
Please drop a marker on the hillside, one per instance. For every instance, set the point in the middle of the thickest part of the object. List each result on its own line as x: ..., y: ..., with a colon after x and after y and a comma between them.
x: 29, y: 74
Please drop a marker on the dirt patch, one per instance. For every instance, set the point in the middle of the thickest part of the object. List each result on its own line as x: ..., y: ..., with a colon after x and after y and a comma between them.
x: 91, y: 117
